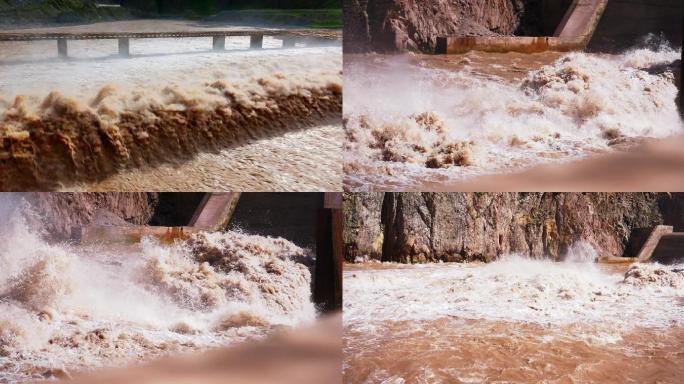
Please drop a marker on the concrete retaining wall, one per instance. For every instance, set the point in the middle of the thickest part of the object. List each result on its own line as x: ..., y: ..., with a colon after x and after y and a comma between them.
x: 626, y: 23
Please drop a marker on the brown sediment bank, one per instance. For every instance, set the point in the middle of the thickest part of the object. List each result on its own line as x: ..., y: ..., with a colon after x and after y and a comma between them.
x: 65, y: 142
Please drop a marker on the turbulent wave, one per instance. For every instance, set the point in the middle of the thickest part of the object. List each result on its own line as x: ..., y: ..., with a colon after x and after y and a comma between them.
x: 515, y: 288
x: 65, y: 308
x: 458, y: 123
x: 64, y: 139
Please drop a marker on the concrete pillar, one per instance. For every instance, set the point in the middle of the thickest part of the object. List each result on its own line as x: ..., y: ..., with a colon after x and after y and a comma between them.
x: 62, y: 48
x: 289, y: 41
x: 219, y: 43
x: 256, y: 41
x: 329, y: 254
x: 124, y: 47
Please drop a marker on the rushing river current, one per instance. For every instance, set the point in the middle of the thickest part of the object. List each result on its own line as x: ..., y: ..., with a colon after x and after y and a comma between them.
x: 515, y: 320
x: 73, y: 308
x: 414, y: 121
x: 73, y: 123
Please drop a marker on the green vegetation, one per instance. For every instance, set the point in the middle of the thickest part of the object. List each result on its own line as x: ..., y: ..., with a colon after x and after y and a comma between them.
x: 300, y: 13
x: 311, y: 18
x: 55, y: 11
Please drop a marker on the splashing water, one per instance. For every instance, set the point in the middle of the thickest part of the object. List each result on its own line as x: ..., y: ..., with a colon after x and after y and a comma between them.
x: 450, y: 124
x: 93, y: 116
x: 70, y: 308
x: 513, y: 320
x: 517, y: 288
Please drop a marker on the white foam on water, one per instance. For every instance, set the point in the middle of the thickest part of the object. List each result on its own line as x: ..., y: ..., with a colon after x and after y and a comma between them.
x: 77, y: 308
x: 479, y: 125
x: 517, y: 288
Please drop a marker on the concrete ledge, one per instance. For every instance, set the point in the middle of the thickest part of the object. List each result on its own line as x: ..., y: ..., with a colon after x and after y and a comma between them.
x: 617, y: 260
x: 100, y: 234
x: 463, y: 44
x: 573, y: 33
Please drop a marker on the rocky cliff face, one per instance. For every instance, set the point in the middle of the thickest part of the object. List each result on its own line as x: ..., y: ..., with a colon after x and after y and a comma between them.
x: 413, y: 25
x: 57, y: 213
x: 426, y: 227
x: 363, y: 230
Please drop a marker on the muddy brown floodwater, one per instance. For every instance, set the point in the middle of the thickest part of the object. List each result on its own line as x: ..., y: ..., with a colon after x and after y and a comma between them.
x: 456, y: 350
x: 482, y: 119
x: 97, y: 118
x: 69, y: 309
x: 515, y: 320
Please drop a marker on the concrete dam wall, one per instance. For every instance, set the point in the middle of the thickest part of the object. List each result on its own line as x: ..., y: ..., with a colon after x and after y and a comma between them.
x: 626, y: 23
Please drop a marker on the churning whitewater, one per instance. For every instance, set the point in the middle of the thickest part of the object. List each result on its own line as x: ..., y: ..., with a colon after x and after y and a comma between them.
x: 94, y: 115
x: 513, y: 320
x: 409, y: 122
x: 66, y: 308
x: 519, y: 289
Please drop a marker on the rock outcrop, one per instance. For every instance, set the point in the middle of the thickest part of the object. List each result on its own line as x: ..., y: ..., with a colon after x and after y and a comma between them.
x: 363, y: 231
x: 428, y: 227
x: 57, y: 213
x: 413, y: 25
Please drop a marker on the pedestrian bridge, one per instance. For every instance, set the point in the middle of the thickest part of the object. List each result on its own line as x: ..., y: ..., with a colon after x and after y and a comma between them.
x: 289, y: 37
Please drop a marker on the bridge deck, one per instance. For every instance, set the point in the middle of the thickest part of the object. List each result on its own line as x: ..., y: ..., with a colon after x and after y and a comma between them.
x: 30, y: 36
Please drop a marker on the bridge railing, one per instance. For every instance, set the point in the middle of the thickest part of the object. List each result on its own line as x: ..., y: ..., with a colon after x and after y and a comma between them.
x: 289, y: 38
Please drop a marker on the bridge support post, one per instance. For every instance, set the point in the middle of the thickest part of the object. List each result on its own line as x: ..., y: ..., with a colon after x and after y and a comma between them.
x: 124, y: 47
x: 62, y: 48
x: 219, y: 43
x: 256, y: 41
x: 289, y: 41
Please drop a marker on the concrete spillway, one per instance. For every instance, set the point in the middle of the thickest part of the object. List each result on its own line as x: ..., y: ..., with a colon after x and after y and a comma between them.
x: 658, y: 244
x: 214, y: 211
x: 625, y: 23
x: 581, y: 19
x: 573, y: 33
x: 670, y: 249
